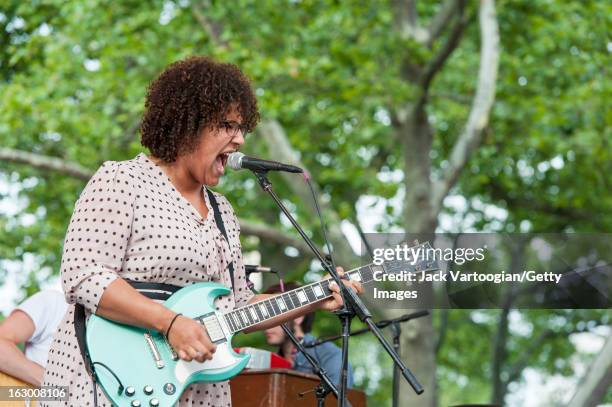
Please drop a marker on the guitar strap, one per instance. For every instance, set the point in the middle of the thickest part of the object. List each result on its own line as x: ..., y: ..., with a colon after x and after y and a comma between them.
x: 221, y: 226
x: 155, y: 291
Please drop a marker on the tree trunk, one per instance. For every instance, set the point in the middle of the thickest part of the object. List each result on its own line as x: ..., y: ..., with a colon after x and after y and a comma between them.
x: 418, y: 344
x: 418, y: 353
x: 416, y: 136
x: 423, y: 200
x: 597, y: 380
x: 499, y: 356
x: 499, y: 385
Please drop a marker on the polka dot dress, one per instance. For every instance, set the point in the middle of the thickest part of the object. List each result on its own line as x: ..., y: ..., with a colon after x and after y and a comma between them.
x: 131, y: 222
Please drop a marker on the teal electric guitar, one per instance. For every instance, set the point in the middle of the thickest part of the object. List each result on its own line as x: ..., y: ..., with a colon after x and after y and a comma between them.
x: 137, y: 367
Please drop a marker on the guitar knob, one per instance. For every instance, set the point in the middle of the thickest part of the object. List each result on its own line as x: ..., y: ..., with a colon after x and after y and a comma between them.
x: 148, y: 390
x: 135, y: 403
x: 130, y: 391
x: 154, y: 403
x: 169, y: 388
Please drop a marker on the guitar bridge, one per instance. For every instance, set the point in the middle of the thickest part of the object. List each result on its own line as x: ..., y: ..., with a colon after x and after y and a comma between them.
x: 173, y: 353
x: 154, y: 351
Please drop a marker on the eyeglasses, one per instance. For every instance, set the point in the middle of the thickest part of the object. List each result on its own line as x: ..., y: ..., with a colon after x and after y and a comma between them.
x: 232, y: 128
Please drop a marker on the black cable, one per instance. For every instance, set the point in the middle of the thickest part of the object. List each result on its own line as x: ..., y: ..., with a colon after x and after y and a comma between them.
x: 121, y: 387
x: 323, y: 229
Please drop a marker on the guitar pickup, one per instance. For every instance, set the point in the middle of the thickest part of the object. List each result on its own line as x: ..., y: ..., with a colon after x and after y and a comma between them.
x: 213, y: 328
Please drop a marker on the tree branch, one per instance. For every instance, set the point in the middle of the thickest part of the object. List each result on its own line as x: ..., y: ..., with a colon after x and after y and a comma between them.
x: 454, y: 38
x: 441, y: 19
x: 44, y: 162
x: 214, y: 30
x: 517, y: 368
x: 130, y: 134
x: 442, y: 330
x: 498, y: 357
x: 482, y: 104
x: 455, y: 97
x: 500, y: 345
x: 366, y: 246
x: 268, y: 233
x: 406, y: 21
x: 412, y: 13
x: 278, y: 145
x: 445, y: 312
x: 520, y: 365
x: 597, y: 380
x: 497, y: 192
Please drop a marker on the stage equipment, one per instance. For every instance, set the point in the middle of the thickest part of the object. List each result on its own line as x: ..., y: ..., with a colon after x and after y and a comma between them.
x: 137, y: 366
x: 353, y: 306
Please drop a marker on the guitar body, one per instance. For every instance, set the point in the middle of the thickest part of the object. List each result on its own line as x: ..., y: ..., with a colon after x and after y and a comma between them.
x: 144, y: 362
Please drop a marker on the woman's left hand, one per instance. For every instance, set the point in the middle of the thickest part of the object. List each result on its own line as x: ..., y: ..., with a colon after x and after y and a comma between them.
x: 335, y: 303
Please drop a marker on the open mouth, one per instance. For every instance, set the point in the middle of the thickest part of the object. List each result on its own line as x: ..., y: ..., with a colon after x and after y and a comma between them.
x: 224, y: 157
x: 221, y: 161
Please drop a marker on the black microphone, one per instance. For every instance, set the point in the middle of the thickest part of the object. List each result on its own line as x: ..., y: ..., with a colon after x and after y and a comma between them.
x: 250, y: 268
x: 239, y: 161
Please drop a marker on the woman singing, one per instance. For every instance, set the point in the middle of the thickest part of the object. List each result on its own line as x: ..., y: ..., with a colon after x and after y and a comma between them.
x: 150, y: 219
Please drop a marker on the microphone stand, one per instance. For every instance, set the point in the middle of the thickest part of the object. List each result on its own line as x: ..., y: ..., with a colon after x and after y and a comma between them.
x: 325, y: 385
x: 382, y: 324
x: 353, y: 306
x: 396, y: 331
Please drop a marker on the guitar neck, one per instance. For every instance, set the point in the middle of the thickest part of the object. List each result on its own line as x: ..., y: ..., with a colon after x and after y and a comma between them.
x: 253, y: 314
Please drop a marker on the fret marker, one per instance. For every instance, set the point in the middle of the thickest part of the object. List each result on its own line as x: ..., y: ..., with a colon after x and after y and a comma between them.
x: 236, y: 321
x: 302, y: 296
x: 244, y: 315
x: 318, y: 291
x: 253, y: 314
x: 264, y: 312
x: 281, y: 303
x: 355, y: 277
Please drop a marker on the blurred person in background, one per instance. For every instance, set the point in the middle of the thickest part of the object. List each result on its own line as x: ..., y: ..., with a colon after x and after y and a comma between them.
x: 33, y: 323
x: 328, y: 355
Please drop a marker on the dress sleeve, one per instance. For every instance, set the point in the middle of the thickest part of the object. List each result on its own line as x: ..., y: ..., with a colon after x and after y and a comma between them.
x: 97, y: 236
x: 242, y: 293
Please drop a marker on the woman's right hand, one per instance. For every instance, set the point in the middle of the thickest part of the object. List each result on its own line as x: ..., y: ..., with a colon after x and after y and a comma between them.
x: 190, y: 341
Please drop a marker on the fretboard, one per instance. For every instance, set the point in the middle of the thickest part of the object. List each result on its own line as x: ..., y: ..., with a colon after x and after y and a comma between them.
x: 253, y: 314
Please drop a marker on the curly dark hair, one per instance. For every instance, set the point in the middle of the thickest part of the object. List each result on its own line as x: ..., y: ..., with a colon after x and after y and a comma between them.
x: 189, y: 96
